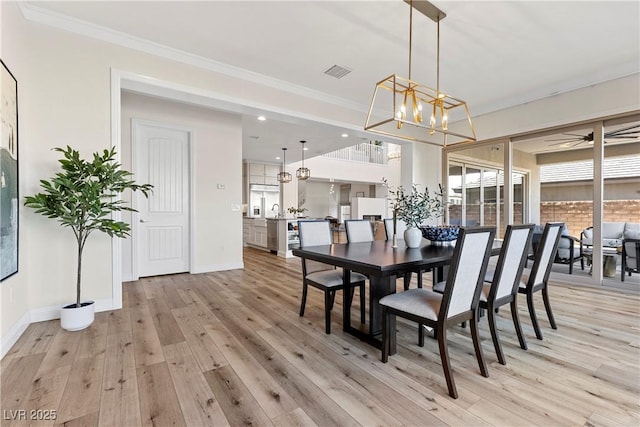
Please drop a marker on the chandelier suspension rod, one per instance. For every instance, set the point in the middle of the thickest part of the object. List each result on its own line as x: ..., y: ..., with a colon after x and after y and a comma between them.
x: 410, y: 34
x: 438, y: 60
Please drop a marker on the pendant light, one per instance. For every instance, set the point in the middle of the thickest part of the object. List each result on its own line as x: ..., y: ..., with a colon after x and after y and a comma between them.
x: 303, y: 173
x: 284, y: 176
x: 401, y: 101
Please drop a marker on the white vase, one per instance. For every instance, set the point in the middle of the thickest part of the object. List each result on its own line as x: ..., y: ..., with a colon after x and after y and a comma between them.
x: 74, y: 318
x: 412, y: 237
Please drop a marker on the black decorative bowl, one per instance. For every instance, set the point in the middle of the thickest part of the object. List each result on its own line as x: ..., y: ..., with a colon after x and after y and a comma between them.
x: 440, y: 233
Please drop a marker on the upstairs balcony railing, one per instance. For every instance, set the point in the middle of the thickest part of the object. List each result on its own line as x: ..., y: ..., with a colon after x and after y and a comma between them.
x: 365, y: 153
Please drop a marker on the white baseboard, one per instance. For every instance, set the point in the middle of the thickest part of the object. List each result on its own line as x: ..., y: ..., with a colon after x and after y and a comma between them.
x: 218, y: 267
x: 6, y: 342
x: 40, y: 315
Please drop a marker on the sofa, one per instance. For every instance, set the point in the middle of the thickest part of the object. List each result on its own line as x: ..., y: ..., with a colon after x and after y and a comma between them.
x: 612, y: 234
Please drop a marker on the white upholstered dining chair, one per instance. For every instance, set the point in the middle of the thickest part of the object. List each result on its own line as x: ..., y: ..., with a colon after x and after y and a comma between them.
x: 458, y: 303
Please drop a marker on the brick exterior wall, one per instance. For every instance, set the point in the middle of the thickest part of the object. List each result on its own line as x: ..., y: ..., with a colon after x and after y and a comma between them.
x: 578, y: 215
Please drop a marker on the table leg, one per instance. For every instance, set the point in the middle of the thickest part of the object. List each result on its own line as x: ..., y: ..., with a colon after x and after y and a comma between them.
x: 381, y: 287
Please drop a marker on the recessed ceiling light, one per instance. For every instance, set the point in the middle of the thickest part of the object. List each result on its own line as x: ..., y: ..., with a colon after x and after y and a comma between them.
x: 277, y: 157
x: 345, y: 135
x: 305, y: 149
x: 262, y: 118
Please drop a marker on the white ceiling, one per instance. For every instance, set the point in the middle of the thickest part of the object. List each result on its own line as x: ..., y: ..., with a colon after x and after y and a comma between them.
x: 493, y: 54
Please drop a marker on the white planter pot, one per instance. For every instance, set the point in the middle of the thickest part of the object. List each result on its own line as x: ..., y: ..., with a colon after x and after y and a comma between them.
x: 74, y: 318
x: 412, y: 237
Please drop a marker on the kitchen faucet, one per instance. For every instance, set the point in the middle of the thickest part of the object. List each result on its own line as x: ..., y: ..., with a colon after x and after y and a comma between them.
x: 277, y: 211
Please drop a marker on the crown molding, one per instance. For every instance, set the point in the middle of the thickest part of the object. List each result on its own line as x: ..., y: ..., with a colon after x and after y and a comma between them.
x: 57, y: 20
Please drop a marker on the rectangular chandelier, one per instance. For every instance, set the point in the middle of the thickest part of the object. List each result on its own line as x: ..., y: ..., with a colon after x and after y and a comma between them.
x: 406, y: 109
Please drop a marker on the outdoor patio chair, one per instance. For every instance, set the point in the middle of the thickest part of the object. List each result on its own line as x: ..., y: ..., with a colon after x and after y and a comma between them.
x: 458, y: 303
x: 630, y: 255
x: 323, y: 276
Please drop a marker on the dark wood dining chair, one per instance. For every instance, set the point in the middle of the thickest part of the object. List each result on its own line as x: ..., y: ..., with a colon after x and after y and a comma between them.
x: 540, y: 271
x: 400, y: 227
x: 505, y: 280
x: 458, y: 303
x: 322, y: 276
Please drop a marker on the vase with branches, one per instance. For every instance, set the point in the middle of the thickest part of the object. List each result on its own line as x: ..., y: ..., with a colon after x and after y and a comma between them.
x: 414, y: 207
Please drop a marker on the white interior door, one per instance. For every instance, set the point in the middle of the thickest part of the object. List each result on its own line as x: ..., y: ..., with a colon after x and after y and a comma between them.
x: 162, y: 234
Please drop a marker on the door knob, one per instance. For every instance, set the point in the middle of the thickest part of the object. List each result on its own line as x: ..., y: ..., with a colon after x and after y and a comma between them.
x: 143, y: 220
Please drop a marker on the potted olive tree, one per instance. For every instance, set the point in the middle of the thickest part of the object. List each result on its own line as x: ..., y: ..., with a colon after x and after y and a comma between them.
x: 82, y: 196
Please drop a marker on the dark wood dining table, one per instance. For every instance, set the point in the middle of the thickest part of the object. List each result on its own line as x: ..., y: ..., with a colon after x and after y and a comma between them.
x: 382, y: 264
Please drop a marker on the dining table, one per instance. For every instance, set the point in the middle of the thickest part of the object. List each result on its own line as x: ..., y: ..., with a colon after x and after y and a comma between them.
x: 381, y: 262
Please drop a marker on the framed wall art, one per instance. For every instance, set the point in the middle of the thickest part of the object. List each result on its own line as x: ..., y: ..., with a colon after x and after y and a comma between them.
x: 8, y: 173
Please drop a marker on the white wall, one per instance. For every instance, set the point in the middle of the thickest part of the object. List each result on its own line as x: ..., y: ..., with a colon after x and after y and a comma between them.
x: 217, y: 145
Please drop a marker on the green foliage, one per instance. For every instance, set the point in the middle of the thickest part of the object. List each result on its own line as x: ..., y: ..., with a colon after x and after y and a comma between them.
x: 293, y: 210
x: 84, y: 194
x: 414, y: 207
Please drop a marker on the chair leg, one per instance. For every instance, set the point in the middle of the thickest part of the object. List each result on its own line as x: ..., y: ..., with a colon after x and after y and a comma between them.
x: 516, y: 323
x: 385, y: 335
x: 581, y: 262
x: 571, y: 267
x: 332, y: 298
x: 547, y: 306
x: 494, y: 335
x: 475, y: 335
x: 407, y: 280
x: 419, y: 274
x: 532, y: 314
x: 304, y: 299
x: 362, y: 307
x: 420, y: 334
x: 444, y: 357
x: 328, y: 303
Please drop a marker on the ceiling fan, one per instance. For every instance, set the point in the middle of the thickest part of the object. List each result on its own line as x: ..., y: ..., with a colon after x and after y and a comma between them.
x: 573, y: 139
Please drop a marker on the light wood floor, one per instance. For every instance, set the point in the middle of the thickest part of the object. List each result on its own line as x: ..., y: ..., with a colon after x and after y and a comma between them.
x: 229, y: 348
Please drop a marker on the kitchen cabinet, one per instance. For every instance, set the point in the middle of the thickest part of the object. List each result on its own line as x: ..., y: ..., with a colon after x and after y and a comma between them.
x: 254, y: 232
x: 288, y: 238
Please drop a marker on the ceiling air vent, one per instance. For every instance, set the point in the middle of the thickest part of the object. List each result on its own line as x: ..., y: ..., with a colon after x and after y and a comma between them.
x: 337, y: 71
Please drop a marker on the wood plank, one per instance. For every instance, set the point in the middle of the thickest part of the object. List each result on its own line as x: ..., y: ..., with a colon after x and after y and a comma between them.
x: 40, y: 337
x: 158, y: 401
x: 46, y: 394
x: 270, y: 395
x: 62, y: 352
x: 16, y: 381
x: 89, y: 420
x: 199, y: 405
x: 204, y: 349
x: 82, y: 394
x: 166, y: 327
x: 295, y: 418
x: 238, y: 404
x: 94, y: 338
x: 146, y: 343
x: 120, y: 403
